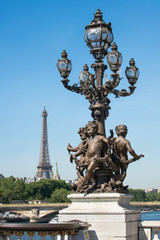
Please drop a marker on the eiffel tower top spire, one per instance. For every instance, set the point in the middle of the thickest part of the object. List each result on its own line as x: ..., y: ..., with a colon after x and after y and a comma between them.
x: 44, y: 168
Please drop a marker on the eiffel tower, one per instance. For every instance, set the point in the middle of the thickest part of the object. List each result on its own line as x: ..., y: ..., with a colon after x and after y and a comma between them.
x: 44, y: 168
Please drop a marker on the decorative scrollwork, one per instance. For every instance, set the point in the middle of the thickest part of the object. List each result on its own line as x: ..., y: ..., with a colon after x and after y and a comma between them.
x: 123, y: 92
x: 93, y: 89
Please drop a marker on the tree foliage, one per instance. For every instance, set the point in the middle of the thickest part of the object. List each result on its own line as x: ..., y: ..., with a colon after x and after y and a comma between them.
x: 140, y: 195
x: 60, y: 196
x: 16, y: 189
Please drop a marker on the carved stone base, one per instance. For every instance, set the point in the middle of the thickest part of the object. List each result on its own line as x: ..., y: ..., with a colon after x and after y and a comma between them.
x: 110, y: 214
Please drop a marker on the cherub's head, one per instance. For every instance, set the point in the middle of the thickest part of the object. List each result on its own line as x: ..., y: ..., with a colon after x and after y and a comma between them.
x: 92, y: 128
x: 83, y: 133
x: 121, y: 130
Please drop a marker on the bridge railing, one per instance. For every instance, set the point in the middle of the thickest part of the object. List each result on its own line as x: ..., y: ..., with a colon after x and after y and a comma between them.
x: 149, y: 230
x: 62, y: 231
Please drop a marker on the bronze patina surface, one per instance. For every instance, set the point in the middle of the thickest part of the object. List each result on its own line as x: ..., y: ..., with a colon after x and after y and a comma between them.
x: 101, y: 161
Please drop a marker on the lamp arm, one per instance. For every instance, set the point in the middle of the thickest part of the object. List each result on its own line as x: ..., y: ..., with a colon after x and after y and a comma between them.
x: 113, y: 82
x: 123, y: 92
x: 73, y: 88
x: 89, y: 93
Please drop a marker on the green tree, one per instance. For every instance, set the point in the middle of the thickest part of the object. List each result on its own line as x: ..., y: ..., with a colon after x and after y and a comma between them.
x: 7, y: 186
x: 43, y: 189
x: 17, y: 189
x: 132, y: 192
x: 139, y: 195
x: 158, y: 196
x: 60, y: 196
x: 152, y: 196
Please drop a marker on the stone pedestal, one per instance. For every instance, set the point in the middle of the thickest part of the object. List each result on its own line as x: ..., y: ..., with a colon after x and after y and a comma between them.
x: 110, y: 214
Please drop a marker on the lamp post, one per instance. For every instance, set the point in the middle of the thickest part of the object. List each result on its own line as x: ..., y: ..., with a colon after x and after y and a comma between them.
x: 99, y: 37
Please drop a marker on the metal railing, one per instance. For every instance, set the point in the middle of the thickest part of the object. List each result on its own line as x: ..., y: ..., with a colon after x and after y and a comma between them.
x: 61, y: 231
x: 149, y: 230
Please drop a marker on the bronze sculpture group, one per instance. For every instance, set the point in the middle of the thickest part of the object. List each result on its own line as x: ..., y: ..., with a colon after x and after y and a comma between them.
x: 102, y: 162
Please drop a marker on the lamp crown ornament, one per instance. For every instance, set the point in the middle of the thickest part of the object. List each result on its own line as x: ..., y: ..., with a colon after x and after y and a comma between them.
x: 101, y: 159
x: 85, y: 68
x: 64, y: 54
x: 98, y: 15
x: 114, y: 47
x: 132, y: 62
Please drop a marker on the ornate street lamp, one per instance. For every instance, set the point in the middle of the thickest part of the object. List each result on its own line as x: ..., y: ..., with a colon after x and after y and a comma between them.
x: 99, y: 37
x: 102, y: 162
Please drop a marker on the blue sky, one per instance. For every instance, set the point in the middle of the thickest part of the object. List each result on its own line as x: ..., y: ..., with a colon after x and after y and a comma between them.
x: 33, y: 35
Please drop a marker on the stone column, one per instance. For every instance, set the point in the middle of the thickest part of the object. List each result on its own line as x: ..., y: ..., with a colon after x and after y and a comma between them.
x: 110, y: 214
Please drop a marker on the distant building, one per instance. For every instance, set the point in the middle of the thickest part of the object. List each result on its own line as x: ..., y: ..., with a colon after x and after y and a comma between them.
x: 30, y: 180
x: 44, y: 168
x: 56, y: 175
x: 69, y: 181
x: 152, y: 190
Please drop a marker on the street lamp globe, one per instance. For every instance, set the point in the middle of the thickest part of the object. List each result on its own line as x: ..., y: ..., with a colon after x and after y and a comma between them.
x: 132, y: 72
x: 64, y: 65
x: 84, y: 75
x: 114, y: 58
x: 98, y: 36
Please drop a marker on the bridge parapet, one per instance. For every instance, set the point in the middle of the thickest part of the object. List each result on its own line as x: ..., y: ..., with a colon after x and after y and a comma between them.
x: 28, y: 207
x: 74, y: 230
x: 36, y: 212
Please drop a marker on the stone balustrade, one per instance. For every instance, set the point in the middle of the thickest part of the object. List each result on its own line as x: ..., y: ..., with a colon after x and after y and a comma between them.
x: 72, y: 230
x: 149, y: 230
x: 61, y: 231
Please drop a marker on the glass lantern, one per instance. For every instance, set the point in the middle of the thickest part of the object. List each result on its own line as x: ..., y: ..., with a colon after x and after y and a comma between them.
x: 85, y: 77
x: 114, y: 58
x: 98, y: 36
x: 64, y: 65
x: 132, y: 72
